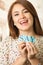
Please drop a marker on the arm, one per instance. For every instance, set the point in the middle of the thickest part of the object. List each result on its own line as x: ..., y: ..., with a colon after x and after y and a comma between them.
x: 3, y: 53
x: 19, y: 61
x: 23, y: 57
x: 35, y: 61
x: 32, y: 51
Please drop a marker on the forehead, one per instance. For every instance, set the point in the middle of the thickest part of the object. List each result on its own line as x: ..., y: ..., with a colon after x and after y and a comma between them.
x: 18, y: 7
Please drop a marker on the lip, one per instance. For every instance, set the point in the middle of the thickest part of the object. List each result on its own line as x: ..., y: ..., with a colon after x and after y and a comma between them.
x: 23, y: 21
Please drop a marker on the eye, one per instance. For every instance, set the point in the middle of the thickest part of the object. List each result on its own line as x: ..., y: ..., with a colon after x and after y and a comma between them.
x: 26, y: 11
x: 16, y: 14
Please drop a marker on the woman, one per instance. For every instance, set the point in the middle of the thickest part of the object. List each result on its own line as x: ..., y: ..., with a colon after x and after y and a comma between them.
x: 24, y: 46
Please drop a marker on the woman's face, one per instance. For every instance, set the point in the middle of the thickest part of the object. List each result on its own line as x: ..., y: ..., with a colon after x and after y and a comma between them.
x: 22, y: 18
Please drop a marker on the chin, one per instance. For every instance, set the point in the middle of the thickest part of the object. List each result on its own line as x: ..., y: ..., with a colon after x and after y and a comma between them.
x: 24, y: 29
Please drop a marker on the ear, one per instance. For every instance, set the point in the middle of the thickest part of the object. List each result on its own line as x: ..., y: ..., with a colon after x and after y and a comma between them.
x: 14, y: 24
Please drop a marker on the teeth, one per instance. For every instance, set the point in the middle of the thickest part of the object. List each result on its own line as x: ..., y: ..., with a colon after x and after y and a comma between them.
x: 23, y: 21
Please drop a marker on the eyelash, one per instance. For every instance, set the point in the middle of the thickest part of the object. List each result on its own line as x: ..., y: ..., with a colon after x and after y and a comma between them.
x: 24, y: 12
x: 16, y: 14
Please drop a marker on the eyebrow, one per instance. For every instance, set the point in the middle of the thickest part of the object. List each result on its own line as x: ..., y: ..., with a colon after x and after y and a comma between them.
x: 15, y: 11
x: 22, y: 10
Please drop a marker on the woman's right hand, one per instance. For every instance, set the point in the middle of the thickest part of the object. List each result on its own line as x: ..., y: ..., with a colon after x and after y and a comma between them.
x: 23, y: 56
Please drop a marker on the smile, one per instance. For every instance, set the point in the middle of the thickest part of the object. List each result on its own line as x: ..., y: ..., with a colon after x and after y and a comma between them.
x: 22, y: 22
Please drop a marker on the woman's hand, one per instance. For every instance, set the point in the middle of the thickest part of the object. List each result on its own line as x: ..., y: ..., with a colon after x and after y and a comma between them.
x: 22, y: 50
x: 32, y: 50
x: 23, y: 56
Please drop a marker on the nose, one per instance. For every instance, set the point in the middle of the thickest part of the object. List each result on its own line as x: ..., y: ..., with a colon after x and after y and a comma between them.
x: 22, y: 16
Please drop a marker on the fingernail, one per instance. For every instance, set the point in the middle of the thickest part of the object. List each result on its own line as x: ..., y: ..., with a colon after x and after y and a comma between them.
x: 27, y: 43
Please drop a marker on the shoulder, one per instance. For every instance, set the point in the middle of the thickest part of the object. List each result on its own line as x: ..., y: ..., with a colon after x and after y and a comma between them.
x: 39, y: 46
x: 8, y: 39
x: 5, y: 43
x: 39, y: 43
x: 8, y: 42
x: 39, y: 39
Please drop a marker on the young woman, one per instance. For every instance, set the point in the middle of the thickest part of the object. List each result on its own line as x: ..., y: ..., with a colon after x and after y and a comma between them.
x: 24, y: 46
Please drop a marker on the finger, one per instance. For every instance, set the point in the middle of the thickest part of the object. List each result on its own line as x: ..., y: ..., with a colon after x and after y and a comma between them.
x: 30, y: 54
x: 34, y: 48
x: 23, y: 51
x: 30, y: 48
x: 21, y: 46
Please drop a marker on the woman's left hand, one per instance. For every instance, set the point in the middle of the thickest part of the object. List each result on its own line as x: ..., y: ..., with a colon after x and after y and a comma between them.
x: 31, y: 49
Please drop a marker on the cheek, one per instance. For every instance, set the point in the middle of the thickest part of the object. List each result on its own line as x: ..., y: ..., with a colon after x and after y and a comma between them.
x: 30, y: 19
x: 30, y: 22
x: 15, y: 19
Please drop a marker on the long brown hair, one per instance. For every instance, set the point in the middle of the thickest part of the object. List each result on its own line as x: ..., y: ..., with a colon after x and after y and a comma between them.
x: 14, y: 32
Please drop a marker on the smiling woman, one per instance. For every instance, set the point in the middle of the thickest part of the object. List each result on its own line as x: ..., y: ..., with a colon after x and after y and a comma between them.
x: 23, y: 20
x: 24, y: 46
x: 37, y: 27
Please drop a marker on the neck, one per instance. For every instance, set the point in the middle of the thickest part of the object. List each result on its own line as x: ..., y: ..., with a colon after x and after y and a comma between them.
x: 28, y: 32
